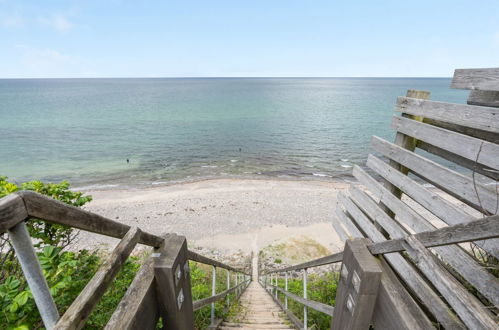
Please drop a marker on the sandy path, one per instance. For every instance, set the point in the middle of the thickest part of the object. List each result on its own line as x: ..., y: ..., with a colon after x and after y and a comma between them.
x: 225, y: 214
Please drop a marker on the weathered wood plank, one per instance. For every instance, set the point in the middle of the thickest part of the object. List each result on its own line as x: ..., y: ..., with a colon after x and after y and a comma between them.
x: 465, y: 146
x: 77, y: 314
x: 352, y: 229
x: 208, y: 261
x: 458, y: 185
x: 12, y: 211
x: 484, y: 228
x: 417, y: 284
x: 430, y: 200
x: 405, y: 142
x: 51, y: 210
x: 486, y: 79
x: 318, y: 306
x: 200, y: 303
x: 462, y: 262
x: 483, y: 118
x: 331, y: 259
x: 469, y: 309
x: 395, y: 308
x: 484, y: 98
x: 478, y: 133
x: 458, y: 160
x: 138, y: 309
x: 338, y: 228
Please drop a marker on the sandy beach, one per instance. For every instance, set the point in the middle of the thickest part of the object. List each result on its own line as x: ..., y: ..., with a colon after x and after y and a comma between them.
x: 225, y: 214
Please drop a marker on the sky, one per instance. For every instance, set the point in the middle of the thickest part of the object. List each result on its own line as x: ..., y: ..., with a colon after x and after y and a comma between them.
x: 252, y: 38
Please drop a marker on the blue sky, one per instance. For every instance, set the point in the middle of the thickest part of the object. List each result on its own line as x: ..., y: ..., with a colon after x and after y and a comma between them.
x: 217, y: 38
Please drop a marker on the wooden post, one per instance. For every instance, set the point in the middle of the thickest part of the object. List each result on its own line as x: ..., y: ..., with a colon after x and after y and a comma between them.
x: 213, y: 293
x: 276, y: 278
x: 286, y: 289
x: 228, y: 287
x: 21, y: 241
x: 358, y: 287
x: 173, y: 283
x: 406, y: 142
x: 305, y: 308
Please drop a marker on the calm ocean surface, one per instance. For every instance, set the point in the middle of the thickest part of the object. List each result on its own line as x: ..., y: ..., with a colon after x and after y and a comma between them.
x: 83, y: 130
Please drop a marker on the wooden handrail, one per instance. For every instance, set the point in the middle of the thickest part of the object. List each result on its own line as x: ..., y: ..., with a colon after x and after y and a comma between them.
x: 485, y: 228
x: 208, y: 261
x: 198, y: 304
x: 318, y: 306
x: 21, y: 205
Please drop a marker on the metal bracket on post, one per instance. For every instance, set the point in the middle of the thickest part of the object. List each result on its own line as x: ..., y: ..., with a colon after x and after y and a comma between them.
x: 360, y: 277
x: 173, y: 283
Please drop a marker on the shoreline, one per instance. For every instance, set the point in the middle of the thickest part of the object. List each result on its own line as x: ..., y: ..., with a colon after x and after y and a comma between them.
x: 230, y: 214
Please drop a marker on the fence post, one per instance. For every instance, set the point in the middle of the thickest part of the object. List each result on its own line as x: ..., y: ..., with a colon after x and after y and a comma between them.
x: 305, y: 308
x: 286, y: 289
x: 228, y: 286
x: 358, y: 287
x: 276, y: 278
x: 173, y: 283
x: 237, y: 282
x: 213, y: 292
x: 21, y: 241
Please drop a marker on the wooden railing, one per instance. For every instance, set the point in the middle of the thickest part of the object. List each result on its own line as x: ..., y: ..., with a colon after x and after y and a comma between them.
x: 448, y: 286
x: 161, y: 288
x: 361, y: 261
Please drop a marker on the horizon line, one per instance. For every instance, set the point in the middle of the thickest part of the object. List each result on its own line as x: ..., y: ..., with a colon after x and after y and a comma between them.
x: 231, y: 77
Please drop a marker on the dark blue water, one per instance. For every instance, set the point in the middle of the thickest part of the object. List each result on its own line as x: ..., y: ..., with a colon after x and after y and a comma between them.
x: 84, y: 130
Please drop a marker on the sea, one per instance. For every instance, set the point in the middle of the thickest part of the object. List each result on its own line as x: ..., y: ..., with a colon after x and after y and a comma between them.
x: 142, y: 132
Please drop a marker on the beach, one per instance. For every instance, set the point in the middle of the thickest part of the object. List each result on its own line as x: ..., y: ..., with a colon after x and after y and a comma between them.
x: 228, y: 215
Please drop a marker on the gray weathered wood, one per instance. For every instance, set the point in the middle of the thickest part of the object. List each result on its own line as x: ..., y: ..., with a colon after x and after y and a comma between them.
x: 51, y: 210
x: 21, y: 241
x: 454, y: 183
x: 331, y: 259
x: 77, y: 314
x: 337, y: 226
x: 353, y: 230
x: 465, y: 146
x: 486, y: 79
x: 413, y: 280
x: 461, y: 261
x: 469, y: 309
x: 464, y: 232
x: 12, y: 211
x: 484, y: 98
x: 478, y: 133
x: 292, y: 317
x: 458, y: 160
x: 318, y: 306
x: 483, y: 118
x: 198, y: 304
x: 406, y: 142
x: 395, y: 309
x: 205, y: 260
x: 358, y: 287
x: 430, y: 200
x: 138, y: 309
x: 173, y: 283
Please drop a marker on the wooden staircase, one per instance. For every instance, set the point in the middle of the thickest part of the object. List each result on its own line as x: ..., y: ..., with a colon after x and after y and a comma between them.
x: 259, y: 312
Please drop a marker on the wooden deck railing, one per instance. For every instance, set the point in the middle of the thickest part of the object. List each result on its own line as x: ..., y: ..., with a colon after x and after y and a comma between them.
x: 161, y: 288
x: 420, y: 288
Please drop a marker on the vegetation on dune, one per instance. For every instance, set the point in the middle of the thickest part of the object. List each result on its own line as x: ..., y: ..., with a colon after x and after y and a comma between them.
x: 68, y: 272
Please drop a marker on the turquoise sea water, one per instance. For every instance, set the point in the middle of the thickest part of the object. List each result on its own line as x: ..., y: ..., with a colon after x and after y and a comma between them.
x: 83, y: 130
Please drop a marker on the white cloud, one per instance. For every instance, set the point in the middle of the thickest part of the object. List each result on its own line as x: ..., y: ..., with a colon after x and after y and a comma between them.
x: 44, y: 61
x: 57, y: 21
x: 13, y: 22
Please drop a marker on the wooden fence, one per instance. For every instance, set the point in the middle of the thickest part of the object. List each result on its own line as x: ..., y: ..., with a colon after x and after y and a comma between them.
x: 161, y: 288
x: 441, y: 171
